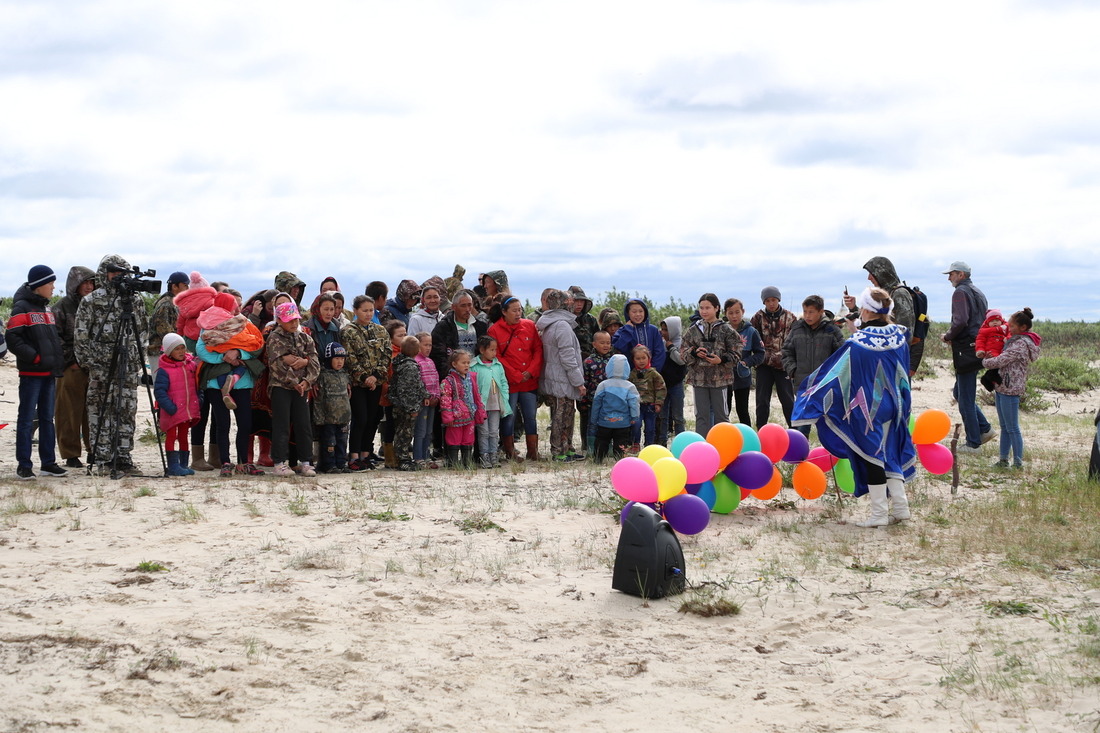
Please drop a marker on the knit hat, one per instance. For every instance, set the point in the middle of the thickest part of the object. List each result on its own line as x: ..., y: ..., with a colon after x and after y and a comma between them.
x: 770, y: 292
x: 170, y: 341
x: 225, y: 301
x: 197, y: 280
x: 334, y: 350
x: 39, y: 276
x: 286, y: 312
x: 178, y: 278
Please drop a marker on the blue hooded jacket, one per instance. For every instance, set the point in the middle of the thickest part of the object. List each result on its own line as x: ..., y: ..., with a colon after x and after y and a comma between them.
x: 616, y: 402
x: 646, y: 334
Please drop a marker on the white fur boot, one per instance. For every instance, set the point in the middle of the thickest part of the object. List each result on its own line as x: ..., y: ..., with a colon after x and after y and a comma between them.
x: 899, y: 503
x: 879, y: 516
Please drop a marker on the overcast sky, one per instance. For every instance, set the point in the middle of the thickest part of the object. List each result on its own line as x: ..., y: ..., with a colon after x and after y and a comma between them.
x: 668, y: 148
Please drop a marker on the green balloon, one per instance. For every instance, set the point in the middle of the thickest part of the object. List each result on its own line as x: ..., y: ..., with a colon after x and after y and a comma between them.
x: 912, y: 423
x: 727, y: 494
x: 845, y: 479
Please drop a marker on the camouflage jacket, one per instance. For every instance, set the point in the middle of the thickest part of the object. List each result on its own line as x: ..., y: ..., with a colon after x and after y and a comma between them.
x: 280, y: 344
x: 369, y: 352
x: 332, y: 406
x: 407, y: 391
x: 650, y: 384
x: 163, y: 321
x: 99, y: 321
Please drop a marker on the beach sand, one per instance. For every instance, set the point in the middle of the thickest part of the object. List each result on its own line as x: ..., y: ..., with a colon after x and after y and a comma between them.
x: 482, y: 600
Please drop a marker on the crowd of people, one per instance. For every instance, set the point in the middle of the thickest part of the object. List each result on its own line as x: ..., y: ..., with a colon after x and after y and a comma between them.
x: 306, y: 383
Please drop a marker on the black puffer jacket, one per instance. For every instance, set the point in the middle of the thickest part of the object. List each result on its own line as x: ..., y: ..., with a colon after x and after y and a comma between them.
x: 33, y: 337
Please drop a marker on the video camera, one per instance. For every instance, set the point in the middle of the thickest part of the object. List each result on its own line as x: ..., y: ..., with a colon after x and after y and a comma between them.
x: 129, y: 281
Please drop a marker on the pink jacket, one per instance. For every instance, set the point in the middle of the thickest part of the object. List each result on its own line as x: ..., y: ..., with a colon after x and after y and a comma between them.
x: 177, y: 385
x: 453, y: 408
x: 428, y: 374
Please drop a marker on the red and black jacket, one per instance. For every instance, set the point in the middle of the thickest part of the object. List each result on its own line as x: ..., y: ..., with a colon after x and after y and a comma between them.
x: 33, y: 336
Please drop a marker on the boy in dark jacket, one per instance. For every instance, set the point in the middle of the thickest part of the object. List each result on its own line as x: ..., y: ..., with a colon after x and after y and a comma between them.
x: 32, y: 337
x: 407, y: 395
x: 812, y: 340
x: 594, y: 373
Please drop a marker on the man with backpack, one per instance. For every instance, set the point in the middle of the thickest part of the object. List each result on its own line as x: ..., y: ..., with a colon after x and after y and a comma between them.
x: 910, y: 305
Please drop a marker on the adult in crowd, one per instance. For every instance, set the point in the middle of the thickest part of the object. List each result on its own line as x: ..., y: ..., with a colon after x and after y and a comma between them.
x: 752, y: 356
x: 812, y: 339
x: 191, y: 303
x: 881, y: 274
x: 1094, y: 458
x: 399, y: 307
x: 112, y: 391
x: 581, y: 306
x: 773, y: 322
x: 258, y: 308
x: 459, y: 329
x: 562, y: 379
x: 711, y: 351
x: 875, y: 438
x: 71, y: 405
x: 968, y: 307
x: 519, y: 348
x: 329, y: 285
x: 1021, y: 348
x: 491, y: 284
x: 164, y: 317
x: 32, y: 337
x: 429, y: 314
x: 377, y: 291
x: 322, y: 322
x: 289, y: 283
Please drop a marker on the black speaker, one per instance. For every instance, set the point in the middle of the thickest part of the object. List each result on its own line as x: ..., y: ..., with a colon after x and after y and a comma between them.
x: 649, y: 562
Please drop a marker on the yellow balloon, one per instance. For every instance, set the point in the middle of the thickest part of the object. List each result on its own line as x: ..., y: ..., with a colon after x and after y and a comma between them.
x: 671, y: 477
x: 653, y: 453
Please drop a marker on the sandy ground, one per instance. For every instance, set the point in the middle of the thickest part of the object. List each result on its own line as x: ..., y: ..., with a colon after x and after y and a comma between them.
x: 360, y: 603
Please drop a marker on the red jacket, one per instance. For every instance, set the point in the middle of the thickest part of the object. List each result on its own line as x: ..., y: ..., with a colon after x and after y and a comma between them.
x: 991, y: 339
x: 519, y: 349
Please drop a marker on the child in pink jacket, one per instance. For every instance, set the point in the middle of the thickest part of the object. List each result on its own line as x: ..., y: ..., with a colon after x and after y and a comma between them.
x: 176, y: 390
x: 460, y: 408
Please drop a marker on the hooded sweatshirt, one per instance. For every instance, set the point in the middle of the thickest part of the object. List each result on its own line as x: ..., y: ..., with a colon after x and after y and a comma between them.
x: 645, y: 333
x: 991, y: 339
x: 64, y: 310
x: 887, y: 278
x: 616, y: 404
x: 1019, y: 351
x: 562, y: 370
x: 286, y: 280
x: 674, y: 368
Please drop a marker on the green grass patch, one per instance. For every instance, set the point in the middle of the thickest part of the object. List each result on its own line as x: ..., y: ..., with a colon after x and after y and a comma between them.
x: 478, y: 522
x: 1063, y: 374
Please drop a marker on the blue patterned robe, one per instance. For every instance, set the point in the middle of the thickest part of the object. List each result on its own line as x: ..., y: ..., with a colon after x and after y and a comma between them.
x: 860, y: 400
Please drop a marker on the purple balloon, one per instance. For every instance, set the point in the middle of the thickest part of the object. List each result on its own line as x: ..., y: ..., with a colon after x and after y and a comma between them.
x: 798, y: 448
x: 750, y: 470
x: 624, y: 512
x: 687, y: 514
x: 692, y: 488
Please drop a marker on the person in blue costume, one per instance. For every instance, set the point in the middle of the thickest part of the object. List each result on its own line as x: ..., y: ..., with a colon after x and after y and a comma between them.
x: 859, y: 399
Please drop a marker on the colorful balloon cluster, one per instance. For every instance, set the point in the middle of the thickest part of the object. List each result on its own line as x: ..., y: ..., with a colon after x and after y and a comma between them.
x: 713, y: 474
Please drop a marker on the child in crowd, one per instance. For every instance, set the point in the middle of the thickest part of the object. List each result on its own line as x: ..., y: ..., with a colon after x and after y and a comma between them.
x: 989, y: 344
x: 407, y: 395
x: 177, y: 393
x: 638, y: 331
x: 461, y: 408
x: 332, y: 411
x: 615, y: 410
x: 594, y: 373
x: 397, y: 331
x: 368, y: 367
x: 752, y: 355
x: 425, y: 418
x: 670, y: 423
x: 293, y: 367
x: 651, y: 396
x: 711, y: 351
x: 1021, y: 348
x: 493, y: 385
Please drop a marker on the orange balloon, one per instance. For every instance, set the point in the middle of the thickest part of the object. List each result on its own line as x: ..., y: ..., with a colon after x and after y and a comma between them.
x: 728, y: 440
x: 771, y: 489
x: 809, y: 480
x: 931, y: 426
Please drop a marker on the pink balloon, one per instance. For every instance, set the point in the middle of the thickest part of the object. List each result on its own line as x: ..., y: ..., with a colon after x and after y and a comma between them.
x: 773, y: 441
x: 822, y: 458
x: 701, y: 461
x: 634, y: 479
x: 935, y: 458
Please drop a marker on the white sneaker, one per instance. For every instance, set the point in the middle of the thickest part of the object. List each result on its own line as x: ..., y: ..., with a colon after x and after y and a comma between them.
x: 282, y: 469
x: 988, y: 435
x: 306, y: 470
x: 968, y: 450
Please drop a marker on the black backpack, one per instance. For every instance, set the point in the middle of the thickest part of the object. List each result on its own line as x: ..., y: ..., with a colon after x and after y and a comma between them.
x: 920, y: 310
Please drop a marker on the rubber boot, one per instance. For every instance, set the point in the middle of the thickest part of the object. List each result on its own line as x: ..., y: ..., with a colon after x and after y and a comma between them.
x: 532, y: 447
x: 390, y: 456
x: 214, y: 456
x: 200, y: 464
x: 899, y: 502
x: 508, y: 444
x: 173, y: 457
x: 452, y: 457
x: 879, y: 516
x: 467, y: 456
x: 265, y: 453
x: 185, y: 458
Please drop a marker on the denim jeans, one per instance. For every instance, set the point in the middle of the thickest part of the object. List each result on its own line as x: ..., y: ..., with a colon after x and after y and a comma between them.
x: 974, y: 422
x: 670, y: 422
x: 422, y: 433
x: 648, y: 423
x: 1008, y: 415
x: 529, y: 403
x: 36, y: 395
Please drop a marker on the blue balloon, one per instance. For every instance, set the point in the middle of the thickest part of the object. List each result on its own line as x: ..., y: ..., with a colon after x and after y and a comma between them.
x: 683, y: 440
x: 707, y: 493
x: 752, y: 440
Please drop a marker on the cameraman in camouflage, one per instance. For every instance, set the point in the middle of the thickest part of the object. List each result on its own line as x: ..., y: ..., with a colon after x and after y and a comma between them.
x: 99, y: 320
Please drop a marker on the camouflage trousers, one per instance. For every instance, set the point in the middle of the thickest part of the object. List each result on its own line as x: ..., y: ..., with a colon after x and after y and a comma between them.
x: 562, y: 412
x: 404, y: 423
x: 120, y: 416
